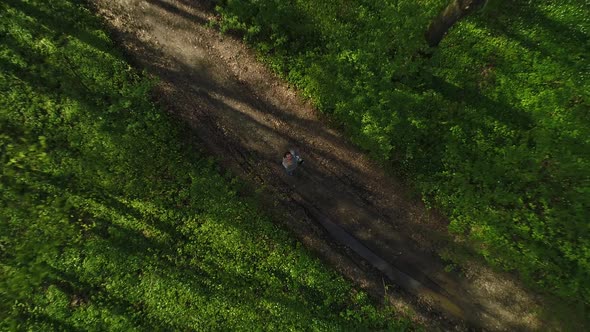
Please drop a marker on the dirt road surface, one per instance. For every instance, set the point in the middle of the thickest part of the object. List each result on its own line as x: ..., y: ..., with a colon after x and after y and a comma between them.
x: 339, y: 204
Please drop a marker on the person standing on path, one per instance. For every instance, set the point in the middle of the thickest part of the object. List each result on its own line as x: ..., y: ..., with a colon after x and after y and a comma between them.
x: 291, y: 160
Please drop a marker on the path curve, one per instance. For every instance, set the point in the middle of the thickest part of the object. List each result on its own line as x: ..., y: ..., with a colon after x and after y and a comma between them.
x: 339, y: 204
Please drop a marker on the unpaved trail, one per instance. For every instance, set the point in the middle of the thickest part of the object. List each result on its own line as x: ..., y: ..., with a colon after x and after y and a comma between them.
x: 339, y: 204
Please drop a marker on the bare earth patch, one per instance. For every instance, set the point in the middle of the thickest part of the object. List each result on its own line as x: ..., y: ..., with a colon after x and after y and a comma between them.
x: 340, y: 204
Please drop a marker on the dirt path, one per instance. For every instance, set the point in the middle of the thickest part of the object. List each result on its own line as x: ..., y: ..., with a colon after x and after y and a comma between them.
x: 339, y: 204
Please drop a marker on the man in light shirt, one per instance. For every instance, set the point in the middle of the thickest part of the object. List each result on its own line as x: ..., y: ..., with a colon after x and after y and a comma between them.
x: 291, y: 160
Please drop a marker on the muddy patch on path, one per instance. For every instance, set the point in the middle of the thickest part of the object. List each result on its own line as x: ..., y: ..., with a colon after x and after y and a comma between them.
x: 340, y: 204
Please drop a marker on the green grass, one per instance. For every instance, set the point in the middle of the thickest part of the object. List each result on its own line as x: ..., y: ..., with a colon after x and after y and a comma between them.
x: 110, y: 221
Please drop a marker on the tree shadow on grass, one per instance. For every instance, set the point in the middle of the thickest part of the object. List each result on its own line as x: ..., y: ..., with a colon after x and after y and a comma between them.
x: 62, y: 21
x: 84, y: 293
x: 161, y: 259
x: 502, y: 112
x: 563, y: 43
x: 52, y: 77
x: 54, y: 323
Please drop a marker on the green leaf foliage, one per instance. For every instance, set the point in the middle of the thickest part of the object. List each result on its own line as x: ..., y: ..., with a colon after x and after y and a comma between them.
x: 108, y: 219
x: 492, y: 126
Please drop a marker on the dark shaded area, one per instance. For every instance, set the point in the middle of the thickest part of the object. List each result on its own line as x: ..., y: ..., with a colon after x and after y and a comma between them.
x: 559, y: 42
x: 504, y: 113
x: 54, y: 324
x: 68, y: 23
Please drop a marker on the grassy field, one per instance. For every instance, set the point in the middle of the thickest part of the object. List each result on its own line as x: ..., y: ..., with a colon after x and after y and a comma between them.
x: 110, y: 221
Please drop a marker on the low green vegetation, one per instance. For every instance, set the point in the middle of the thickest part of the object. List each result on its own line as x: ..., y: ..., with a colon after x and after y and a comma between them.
x: 109, y: 221
x: 492, y: 126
